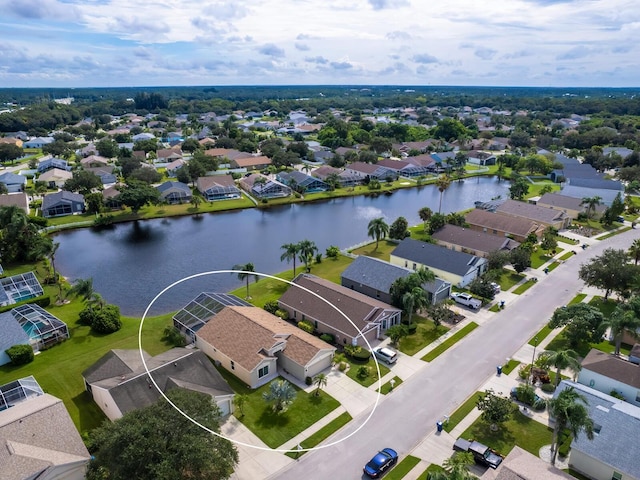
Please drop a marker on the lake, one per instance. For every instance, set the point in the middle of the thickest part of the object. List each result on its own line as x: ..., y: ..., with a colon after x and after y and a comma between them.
x: 131, y: 263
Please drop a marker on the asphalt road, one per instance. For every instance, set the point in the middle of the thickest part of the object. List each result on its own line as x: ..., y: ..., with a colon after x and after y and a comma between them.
x: 403, y: 419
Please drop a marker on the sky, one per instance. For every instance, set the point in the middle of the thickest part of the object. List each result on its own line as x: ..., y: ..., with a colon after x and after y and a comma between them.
x: 113, y: 43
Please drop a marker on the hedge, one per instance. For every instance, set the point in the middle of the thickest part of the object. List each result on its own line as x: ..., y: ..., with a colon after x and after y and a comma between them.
x: 20, y: 354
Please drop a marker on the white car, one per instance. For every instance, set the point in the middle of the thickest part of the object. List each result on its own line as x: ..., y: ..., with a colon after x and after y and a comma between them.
x: 386, y: 354
x: 496, y: 287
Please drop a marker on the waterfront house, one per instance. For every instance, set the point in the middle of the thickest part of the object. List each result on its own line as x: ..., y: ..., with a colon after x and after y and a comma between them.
x: 14, y: 182
x: 548, y: 217
x: 370, y: 170
x: 218, y: 187
x: 261, y: 187
x: 62, y: 203
x: 302, y: 182
x: 472, y: 241
x: 55, y: 178
x: 175, y: 192
x: 502, y: 225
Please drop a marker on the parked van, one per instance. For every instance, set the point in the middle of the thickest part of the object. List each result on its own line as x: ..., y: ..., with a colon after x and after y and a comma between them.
x: 385, y: 354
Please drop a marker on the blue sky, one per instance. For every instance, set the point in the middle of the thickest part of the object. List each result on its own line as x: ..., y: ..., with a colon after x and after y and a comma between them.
x: 110, y: 43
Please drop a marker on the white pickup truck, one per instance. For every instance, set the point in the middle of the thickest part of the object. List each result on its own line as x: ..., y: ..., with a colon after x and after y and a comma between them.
x: 467, y: 300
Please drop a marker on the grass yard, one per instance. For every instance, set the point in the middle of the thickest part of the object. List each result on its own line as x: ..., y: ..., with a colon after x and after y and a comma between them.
x: 372, y: 377
x: 449, y: 342
x: 553, y: 265
x: 541, y: 335
x: 540, y: 257
x: 462, y: 411
x: 402, y: 468
x: 322, y: 434
x: 578, y: 298
x: 510, y: 366
x: 433, y: 468
x: 495, y: 308
x: 519, y: 430
x: 567, y: 256
x: 605, y: 306
x: 524, y: 287
x: 509, y: 279
x: 386, y: 388
x: 615, y: 232
x: 426, y: 333
x: 274, y: 429
x: 383, y: 252
x: 268, y: 289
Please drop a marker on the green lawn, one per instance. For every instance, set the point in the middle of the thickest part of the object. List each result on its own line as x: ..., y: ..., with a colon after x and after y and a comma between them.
x: 524, y: 287
x: 605, y: 306
x: 325, y: 432
x: 540, y: 256
x: 519, y: 430
x: 560, y: 342
x: 462, y: 411
x: 541, y: 335
x: 570, y: 241
x: 268, y: 289
x: 402, y: 468
x: 509, y: 278
x: 426, y: 333
x: 553, y: 265
x: 495, y: 308
x: 433, y: 468
x: 274, y: 429
x: 578, y: 298
x: 615, y: 232
x: 386, y: 388
x: 372, y: 378
x: 382, y: 252
x: 459, y: 335
x: 510, y: 366
x: 567, y: 256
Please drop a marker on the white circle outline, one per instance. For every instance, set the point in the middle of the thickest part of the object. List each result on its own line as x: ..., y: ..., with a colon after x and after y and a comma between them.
x: 237, y: 442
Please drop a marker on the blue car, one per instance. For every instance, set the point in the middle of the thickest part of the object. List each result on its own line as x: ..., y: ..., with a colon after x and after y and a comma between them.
x: 381, y: 462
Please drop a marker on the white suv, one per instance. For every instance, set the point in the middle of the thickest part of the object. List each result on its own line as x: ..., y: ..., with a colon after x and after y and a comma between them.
x: 385, y: 354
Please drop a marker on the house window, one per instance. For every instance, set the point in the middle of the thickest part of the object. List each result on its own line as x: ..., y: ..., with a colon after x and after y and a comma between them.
x: 406, y: 264
x: 263, y: 372
x: 295, y: 314
x: 315, y: 324
x: 415, y: 266
x: 596, y: 428
x: 616, y: 476
x: 233, y: 365
x: 495, y: 232
x: 377, y: 294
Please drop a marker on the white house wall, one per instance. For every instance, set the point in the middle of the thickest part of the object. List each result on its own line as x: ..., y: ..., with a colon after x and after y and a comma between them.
x: 595, y: 469
x: 67, y: 471
x: 105, y: 401
x: 447, y: 276
x: 607, y: 385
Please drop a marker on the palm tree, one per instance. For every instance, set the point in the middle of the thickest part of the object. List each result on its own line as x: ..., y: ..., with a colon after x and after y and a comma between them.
x: 320, y: 381
x: 634, y: 250
x: 592, y: 203
x: 425, y: 214
x: 196, y: 200
x: 306, y: 250
x: 83, y: 288
x: 291, y: 251
x: 442, y: 182
x: 333, y: 180
x: 414, y: 300
x: 56, y: 279
x: 378, y: 229
x: 455, y: 468
x: 561, y: 360
x: 239, y: 400
x: 244, y: 274
x: 623, y: 319
x: 569, y: 409
x: 281, y: 394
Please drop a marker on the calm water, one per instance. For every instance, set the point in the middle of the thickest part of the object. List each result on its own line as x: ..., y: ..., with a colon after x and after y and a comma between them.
x: 131, y: 263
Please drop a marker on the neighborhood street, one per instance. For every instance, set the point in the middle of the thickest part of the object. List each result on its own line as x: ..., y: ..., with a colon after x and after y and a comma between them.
x: 406, y: 416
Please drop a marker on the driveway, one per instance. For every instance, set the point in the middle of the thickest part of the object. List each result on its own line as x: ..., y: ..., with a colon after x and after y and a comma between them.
x: 403, y: 419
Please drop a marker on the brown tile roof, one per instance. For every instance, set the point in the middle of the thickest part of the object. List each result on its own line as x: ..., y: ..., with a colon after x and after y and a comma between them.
x: 245, y: 334
x: 94, y: 159
x: 473, y: 239
x: 11, y: 141
x: 367, y: 168
x: 530, y: 211
x: 324, y: 171
x: 421, y: 160
x: 15, y: 200
x: 361, y: 309
x: 252, y: 161
x: 168, y: 153
x: 230, y: 153
x: 513, y: 225
x: 204, y: 183
x: 612, y: 367
x: 561, y: 201
x: 393, y: 164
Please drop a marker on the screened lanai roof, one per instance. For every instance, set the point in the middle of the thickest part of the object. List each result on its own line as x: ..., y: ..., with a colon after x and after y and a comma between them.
x: 37, y: 322
x: 18, y: 391
x: 198, y: 312
x: 19, y: 287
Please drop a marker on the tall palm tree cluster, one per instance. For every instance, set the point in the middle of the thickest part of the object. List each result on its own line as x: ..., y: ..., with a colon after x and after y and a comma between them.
x: 304, y: 251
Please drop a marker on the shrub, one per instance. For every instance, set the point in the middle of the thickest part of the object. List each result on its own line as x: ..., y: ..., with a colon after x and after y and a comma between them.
x: 20, y: 354
x: 271, y: 307
x: 308, y: 380
x: 342, y: 366
x: 548, y: 387
x: 103, y: 220
x: 524, y: 372
x: 305, y: 326
x: 357, y: 352
x: 39, y: 221
x: 332, y: 252
x: 363, y: 372
x: 172, y: 336
x: 318, y: 258
x: 327, y: 337
x: 525, y: 394
x: 411, y: 329
x: 107, y: 320
x: 43, y: 301
x: 617, y: 394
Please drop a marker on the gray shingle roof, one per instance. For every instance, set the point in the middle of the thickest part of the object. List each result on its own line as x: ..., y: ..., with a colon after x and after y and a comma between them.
x: 12, y: 334
x: 561, y: 201
x: 374, y: 273
x: 616, y: 445
x: 473, y: 239
x: 612, y: 367
x: 604, y: 184
x: 530, y: 211
x: 62, y: 196
x: 608, y: 196
x: 114, y: 364
x: 436, y: 257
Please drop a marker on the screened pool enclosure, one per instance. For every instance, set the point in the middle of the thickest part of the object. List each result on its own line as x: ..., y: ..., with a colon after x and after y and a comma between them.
x: 44, y: 329
x: 18, y: 391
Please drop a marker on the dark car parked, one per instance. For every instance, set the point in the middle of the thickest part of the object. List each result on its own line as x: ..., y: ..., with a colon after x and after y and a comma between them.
x: 381, y: 462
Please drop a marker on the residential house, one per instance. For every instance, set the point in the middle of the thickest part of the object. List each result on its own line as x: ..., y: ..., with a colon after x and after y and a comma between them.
x: 374, y: 278
x: 541, y: 215
x: 11, y: 141
x: 502, y: 225
x: 570, y: 206
x: 175, y: 192
x: 94, y: 161
x: 37, y: 436
x: 105, y: 174
x: 110, y: 195
x: 522, y: 465
x: 613, y: 453
x: 370, y: 170
x: 173, y: 167
x: 634, y: 354
x: 426, y: 161
x: 228, y: 153
x: 404, y: 168
x: 607, y: 190
x: 19, y: 200
x: 14, y: 182
x: 140, y: 155
x: 253, y: 344
x: 38, y: 142
x: 119, y: 383
x: 349, y: 316
x: 472, y: 241
x: 168, y: 155
x: 455, y: 267
x: 55, y: 178
x: 251, y: 163
x: 218, y: 187
x: 51, y: 162
x: 302, y: 182
x: 19, y: 287
x: 12, y: 334
x: 345, y: 179
x: 422, y: 147
x: 62, y: 203
x: 261, y: 187
x: 477, y: 157
x: 43, y: 329
x: 605, y: 372
x: 143, y: 136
